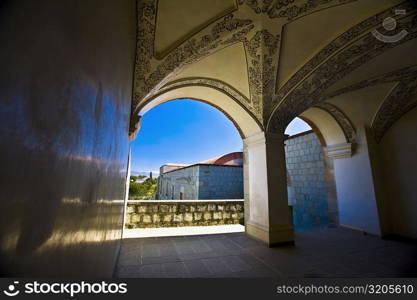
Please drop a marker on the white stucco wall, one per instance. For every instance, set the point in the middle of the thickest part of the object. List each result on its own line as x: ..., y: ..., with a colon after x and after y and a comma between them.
x: 357, y: 200
x: 355, y: 190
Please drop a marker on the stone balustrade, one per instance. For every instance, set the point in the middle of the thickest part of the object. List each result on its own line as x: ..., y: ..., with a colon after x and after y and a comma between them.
x: 174, y: 213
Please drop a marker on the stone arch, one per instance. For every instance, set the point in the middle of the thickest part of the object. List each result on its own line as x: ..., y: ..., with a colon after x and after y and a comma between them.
x: 219, y: 95
x: 325, y: 123
x: 341, y: 119
x: 336, y: 136
x: 271, y: 229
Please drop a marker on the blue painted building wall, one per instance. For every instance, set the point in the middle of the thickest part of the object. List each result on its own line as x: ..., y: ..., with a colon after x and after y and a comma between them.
x: 201, y: 182
x: 220, y: 182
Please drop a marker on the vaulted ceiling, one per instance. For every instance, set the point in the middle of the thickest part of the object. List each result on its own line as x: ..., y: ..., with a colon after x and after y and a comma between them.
x: 278, y: 57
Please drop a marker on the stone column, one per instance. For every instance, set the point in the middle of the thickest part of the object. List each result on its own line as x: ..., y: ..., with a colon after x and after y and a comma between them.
x: 269, y: 217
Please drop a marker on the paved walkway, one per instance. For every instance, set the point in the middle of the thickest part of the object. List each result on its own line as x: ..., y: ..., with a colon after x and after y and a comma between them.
x: 321, y: 253
x: 181, y: 231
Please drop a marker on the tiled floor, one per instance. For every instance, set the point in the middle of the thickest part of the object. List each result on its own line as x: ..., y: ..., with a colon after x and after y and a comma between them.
x: 181, y: 231
x: 321, y: 253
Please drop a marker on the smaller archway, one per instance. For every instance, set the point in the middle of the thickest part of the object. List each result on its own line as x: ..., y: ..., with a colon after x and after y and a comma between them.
x: 310, y: 160
x: 310, y: 177
x: 227, y: 101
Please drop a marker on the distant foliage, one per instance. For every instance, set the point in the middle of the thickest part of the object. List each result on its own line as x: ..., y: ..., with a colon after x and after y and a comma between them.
x: 134, y: 178
x: 142, y: 191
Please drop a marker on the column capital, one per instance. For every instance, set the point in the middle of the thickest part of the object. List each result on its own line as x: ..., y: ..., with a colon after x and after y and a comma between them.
x: 262, y: 137
x: 339, y: 151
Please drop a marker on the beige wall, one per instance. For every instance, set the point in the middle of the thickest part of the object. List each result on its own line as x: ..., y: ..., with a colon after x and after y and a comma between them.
x: 398, y: 151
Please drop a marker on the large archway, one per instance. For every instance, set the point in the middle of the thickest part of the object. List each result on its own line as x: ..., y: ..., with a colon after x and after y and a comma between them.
x: 311, y: 157
x: 259, y: 164
x: 224, y: 100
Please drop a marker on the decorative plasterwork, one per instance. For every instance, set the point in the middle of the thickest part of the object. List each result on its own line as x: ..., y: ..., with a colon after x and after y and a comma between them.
x: 345, y: 54
x: 262, y: 59
x: 151, y: 74
x: 288, y: 9
x: 395, y: 105
x: 160, y: 53
x: 341, y: 119
x: 146, y: 19
x: 336, y: 45
x: 145, y: 44
x: 402, y: 75
x: 306, y: 88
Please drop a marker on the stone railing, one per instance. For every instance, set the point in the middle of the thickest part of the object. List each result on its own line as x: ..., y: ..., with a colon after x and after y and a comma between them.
x: 174, y: 213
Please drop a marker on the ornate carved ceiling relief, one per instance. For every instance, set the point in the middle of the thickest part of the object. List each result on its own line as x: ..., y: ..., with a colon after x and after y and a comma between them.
x: 289, y: 9
x: 306, y: 88
x: 144, y: 55
x: 262, y: 58
x: 403, y: 75
x: 352, y: 49
x: 397, y: 103
x: 151, y: 74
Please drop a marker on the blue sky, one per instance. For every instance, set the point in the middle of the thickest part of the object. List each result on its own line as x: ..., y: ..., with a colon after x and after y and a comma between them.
x: 185, y: 131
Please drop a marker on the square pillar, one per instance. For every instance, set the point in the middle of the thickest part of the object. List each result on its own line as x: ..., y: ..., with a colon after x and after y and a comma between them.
x: 268, y: 216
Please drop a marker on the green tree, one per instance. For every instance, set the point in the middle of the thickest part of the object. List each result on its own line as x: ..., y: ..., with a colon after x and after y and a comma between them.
x: 143, y: 191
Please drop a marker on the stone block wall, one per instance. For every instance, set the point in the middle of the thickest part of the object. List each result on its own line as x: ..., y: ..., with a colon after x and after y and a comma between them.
x: 205, y: 182
x: 184, y: 181
x: 148, y: 214
x: 307, y: 183
x: 220, y: 182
